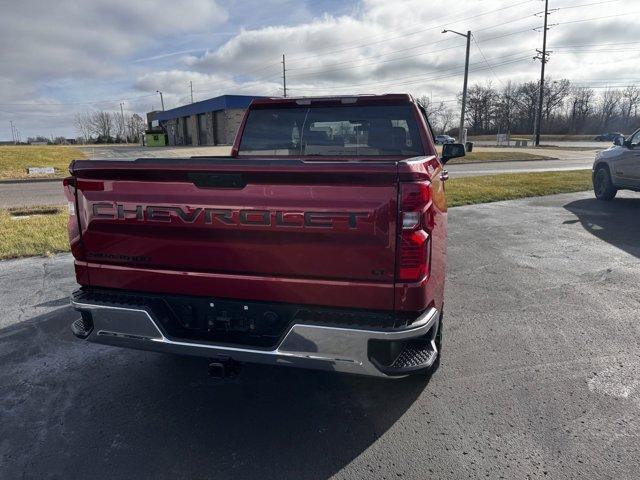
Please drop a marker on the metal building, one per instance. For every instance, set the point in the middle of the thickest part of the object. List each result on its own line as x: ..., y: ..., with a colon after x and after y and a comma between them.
x: 209, y: 122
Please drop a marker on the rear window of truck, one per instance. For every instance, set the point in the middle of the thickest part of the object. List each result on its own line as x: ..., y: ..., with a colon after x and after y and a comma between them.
x: 371, y: 130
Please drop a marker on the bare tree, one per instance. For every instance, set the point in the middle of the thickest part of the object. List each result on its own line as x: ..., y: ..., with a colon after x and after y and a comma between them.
x: 136, y: 126
x: 481, y: 102
x: 82, y: 122
x: 630, y: 103
x: 566, y: 109
x: 102, y: 125
x: 506, y: 108
x: 121, y: 127
x: 433, y: 110
x: 582, y: 103
x: 446, y: 119
x: 609, y: 102
x: 555, y: 94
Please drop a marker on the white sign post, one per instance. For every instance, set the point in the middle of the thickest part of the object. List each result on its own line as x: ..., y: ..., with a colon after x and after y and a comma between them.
x: 40, y: 171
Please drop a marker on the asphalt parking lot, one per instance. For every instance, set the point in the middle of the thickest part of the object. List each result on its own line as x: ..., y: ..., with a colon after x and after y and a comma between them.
x: 540, y: 376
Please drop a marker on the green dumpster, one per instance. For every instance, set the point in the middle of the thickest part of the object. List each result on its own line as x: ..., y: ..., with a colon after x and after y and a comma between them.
x: 155, y: 139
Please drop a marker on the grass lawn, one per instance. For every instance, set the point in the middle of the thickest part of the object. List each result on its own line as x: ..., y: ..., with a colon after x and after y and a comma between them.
x: 42, y: 231
x: 479, y: 156
x: 550, y: 138
x: 576, y: 149
x: 509, y: 186
x: 14, y: 160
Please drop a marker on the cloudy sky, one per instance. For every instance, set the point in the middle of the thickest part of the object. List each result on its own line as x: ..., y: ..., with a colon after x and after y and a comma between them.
x: 59, y: 58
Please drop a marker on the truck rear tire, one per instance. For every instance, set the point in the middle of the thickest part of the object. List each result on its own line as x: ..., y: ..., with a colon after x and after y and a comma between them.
x: 603, y: 187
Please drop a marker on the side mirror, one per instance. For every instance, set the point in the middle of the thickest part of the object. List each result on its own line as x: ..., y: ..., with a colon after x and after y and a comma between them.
x: 619, y: 141
x: 452, y: 150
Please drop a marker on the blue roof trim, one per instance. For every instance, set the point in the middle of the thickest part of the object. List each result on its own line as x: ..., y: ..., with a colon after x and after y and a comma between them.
x: 210, y: 105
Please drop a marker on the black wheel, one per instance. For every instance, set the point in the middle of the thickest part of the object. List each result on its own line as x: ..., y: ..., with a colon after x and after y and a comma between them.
x: 603, y: 187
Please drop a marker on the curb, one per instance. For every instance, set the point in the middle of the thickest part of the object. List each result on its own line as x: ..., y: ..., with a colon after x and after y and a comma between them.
x: 32, y: 180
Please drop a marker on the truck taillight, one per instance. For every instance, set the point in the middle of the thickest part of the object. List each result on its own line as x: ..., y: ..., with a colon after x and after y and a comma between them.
x: 414, y: 241
x: 73, y: 226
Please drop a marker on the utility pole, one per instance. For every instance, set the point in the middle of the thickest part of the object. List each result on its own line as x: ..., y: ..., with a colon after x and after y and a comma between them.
x: 161, y: 99
x: 13, y: 133
x: 462, y: 135
x: 191, y: 86
x: 284, y: 77
x: 543, y: 57
x: 124, y: 127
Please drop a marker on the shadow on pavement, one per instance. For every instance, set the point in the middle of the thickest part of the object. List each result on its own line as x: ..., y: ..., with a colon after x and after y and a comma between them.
x: 71, y: 409
x: 616, y: 222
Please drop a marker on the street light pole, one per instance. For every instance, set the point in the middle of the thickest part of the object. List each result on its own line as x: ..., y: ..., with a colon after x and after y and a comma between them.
x: 161, y: 99
x: 462, y: 136
x: 124, y: 126
x: 284, y: 77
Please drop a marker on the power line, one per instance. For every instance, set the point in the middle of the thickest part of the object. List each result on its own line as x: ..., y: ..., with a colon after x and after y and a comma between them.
x: 415, y: 32
x: 351, y: 66
x: 489, y: 27
x: 594, y: 45
x: 421, y: 79
x: 75, y: 103
x: 350, y: 63
x: 586, y: 5
x: 627, y: 14
x: 486, y: 61
x: 455, y: 70
x: 614, y: 87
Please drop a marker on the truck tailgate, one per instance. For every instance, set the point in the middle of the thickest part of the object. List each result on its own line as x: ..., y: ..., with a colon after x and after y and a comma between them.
x: 321, y: 233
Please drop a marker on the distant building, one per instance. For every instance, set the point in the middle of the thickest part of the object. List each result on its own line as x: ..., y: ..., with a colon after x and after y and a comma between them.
x: 210, y: 122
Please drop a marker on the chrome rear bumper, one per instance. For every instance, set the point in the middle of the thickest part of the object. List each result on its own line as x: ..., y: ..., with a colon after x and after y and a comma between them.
x: 308, y: 346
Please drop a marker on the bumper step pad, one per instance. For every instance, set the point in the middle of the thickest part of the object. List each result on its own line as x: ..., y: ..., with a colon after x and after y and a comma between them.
x: 417, y: 354
x: 81, y: 328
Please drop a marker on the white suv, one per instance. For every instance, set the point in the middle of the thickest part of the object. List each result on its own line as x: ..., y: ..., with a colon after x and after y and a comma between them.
x: 617, y: 168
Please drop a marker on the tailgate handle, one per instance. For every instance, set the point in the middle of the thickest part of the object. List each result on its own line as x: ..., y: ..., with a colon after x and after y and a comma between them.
x: 217, y: 180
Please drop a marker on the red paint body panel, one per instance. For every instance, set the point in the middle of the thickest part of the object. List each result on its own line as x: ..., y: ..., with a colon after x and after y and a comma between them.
x: 300, y: 230
x: 365, y: 295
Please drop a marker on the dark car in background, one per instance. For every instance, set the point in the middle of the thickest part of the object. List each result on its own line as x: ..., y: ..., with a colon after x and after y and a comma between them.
x: 608, y: 137
x: 442, y: 139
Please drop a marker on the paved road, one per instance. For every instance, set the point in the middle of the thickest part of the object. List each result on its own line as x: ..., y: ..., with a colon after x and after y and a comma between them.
x: 50, y: 193
x: 574, y: 162
x: 540, y: 375
x: 136, y: 151
x: 20, y: 194
x: 555, y: 143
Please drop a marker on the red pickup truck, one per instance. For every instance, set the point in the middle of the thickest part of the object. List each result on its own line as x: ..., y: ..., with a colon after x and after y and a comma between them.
x: 320, y: 242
